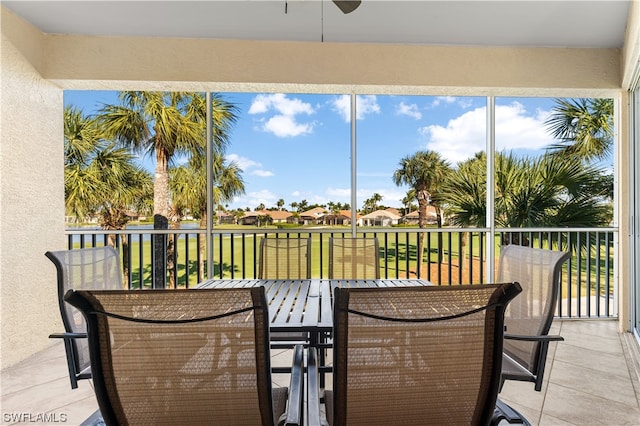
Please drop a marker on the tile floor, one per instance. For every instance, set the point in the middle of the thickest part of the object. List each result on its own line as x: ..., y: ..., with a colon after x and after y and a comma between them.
x: 593, y: 379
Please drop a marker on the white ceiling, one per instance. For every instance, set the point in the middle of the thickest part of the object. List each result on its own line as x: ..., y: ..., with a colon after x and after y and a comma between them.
x: 543, y: 23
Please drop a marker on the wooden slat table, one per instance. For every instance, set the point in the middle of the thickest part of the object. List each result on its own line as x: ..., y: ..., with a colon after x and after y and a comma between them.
x: 293, y: 304
x: 306, y: 305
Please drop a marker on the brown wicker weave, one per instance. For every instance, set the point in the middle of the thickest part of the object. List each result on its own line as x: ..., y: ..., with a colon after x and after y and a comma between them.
x: 285, y: 258
x: 95, y: 268
x: 181, y: 357
x: 530, y: 315
x: 417, y: 355
x: 354, y: 258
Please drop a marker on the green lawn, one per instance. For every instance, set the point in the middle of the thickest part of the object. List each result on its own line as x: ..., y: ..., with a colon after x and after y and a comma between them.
x: 237, y: 257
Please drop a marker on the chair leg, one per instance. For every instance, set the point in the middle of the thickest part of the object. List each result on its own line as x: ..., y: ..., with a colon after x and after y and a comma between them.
x: 94, y: 420
x: 505, y: 412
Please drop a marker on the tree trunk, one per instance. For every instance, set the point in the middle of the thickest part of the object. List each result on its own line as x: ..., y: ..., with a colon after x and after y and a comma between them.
x: 160, y: 218
x: 175, y: 220
x: 125, y: 262
x: 423, y: 200
x: 114, y: 219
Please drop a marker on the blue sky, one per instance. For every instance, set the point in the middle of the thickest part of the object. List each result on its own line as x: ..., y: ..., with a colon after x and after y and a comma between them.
x: 297, y: 146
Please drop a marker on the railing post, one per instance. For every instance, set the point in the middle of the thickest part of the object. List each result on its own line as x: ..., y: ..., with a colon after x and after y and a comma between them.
x: 159, y: 259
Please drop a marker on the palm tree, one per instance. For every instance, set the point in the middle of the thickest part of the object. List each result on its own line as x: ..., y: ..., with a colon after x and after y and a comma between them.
x: 160, y: 123
x: 584, y: 127
x: 238, y: 214
x: 424, y: 172
x: 335, y: 212
x: 465, y: 192
x: 371, y: 204
x: 408, y: 200
x: 166, y: 124
x: 264, y: 218
x: 102, y: 179
x: 548, y: 191
x: 189, y: 191
x: 188, y: 186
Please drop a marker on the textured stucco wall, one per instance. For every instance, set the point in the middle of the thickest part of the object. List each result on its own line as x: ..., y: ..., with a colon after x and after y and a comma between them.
x: 218, y: 65
x: 31, y: 201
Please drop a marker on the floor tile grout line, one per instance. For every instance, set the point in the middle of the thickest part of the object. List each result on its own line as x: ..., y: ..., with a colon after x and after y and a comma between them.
x: 632, y: 357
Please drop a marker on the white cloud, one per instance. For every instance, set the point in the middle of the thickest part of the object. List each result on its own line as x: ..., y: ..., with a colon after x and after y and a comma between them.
x: 409, y: 110
x: 339, y: 193
x: 260, y: 105
x: 286, y: 126
x: 249, y: 166
x: 465, y: 103
x: 342, y: 105
x: 443, y: 99
x: 284, y: 121
x: 280, y: 103
x: 465, y: 135
x: 243, y: 162
x: 391, y: 196
x: 365, y: 105
x: 255, y: 198
x: 262, y: 173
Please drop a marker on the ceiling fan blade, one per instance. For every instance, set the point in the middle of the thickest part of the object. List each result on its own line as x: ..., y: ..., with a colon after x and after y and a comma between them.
x: 347, y: 6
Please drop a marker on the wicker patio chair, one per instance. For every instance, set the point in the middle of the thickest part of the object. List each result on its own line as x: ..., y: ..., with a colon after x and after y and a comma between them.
x: 285, y: 259
x: 529, y: 317
x: 196, y: 357
x: 354, y: 258
x: 439, y: 362
x: 89, y: 269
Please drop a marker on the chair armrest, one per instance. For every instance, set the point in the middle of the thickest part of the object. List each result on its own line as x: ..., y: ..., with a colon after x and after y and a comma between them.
x: 68, y: 335
x: 546, y: 338
x: 315, y: 418
x: 505, y: 412
x: 293, y: 415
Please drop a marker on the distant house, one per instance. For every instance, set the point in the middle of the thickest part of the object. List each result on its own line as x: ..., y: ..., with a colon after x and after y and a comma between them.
x: 225, y: 217
x: 341, y: 218
x: 313, y: 216
x: 394, y: 211
x: 412, y: 218
x: 380, y: 218
x: 277, y: 216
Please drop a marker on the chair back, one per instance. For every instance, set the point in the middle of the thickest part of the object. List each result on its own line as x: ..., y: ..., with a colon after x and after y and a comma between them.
x: 285, y: 258
x: 538, y: 271
x: 418, y: 355
x: 354, y: 258
x: 96, y: 268
x: 168, y: 357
